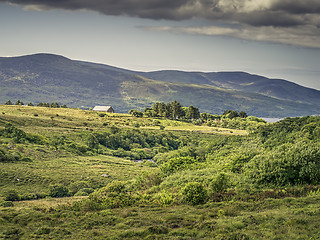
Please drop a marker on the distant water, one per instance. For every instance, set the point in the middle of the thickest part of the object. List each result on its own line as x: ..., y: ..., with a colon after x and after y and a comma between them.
x: 272, y: 120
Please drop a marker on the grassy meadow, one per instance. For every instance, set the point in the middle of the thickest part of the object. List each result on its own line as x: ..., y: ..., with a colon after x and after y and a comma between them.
x: 77, y: 174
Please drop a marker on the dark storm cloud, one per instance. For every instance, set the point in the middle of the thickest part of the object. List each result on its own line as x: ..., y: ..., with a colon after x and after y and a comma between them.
x: 252, y: 12
x: 298, y: 7
x: 290, y: 21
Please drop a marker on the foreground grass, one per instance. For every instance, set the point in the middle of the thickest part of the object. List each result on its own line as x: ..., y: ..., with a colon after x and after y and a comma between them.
x: 289, y: 218
x: 35, y: 176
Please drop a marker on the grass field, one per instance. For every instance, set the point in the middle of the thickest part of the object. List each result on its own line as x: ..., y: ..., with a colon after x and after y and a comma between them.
x: 155, y: 207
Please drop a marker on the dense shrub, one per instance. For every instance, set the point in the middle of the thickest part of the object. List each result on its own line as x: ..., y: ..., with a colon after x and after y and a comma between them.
x: 133, y: 143
x: 114, y: 195
x: 84, y: 192
x: 6, y: 204
x: 194, y: 193
x: 11, y: 195
x: 177, y: 164
x: 58, y: 191
x: 19, y: 136
x: 147, y: 180
x: 77, y: 186
x: 287, y: 164
x: 220, y: 183
x: 9, y: 156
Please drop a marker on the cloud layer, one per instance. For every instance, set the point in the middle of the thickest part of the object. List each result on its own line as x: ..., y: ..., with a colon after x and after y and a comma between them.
x: 285, y: 21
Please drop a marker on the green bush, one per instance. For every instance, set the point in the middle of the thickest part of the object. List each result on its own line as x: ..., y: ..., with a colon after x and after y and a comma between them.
x: 177, y: 164
x: 147, y: 180
x: 220, y: 183
x: 11, y: 195
x: 114, y: 195
x: 6, y: 204
x: 84, y: 192
x: 58, y: 191
x: 77, y: 186
x: 287, y: 164
x: 194, y: 193
x: 9, y: 155
x: 164, y: 198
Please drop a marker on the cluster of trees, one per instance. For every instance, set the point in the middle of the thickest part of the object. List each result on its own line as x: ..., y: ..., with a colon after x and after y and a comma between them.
x: 51, y: 105
x: 171, y: 110
x: 234, y: 114
x: 19, y: 102
x: 41, y: 104
x: 174, y: 110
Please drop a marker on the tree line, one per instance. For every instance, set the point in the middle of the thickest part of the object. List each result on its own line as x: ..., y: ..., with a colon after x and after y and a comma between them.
x: 171, y: 110
x: 174, y: 110
x: 40, y: 104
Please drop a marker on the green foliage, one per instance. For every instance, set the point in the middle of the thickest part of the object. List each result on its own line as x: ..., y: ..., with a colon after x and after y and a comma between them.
x: 136, y: 144
x: 92, y: 142
x: 16, y: 134
x: 77, y: 186
x: 194, y: 193
x: 136, y: 113
x: 19, y: 102
x: 287, y: 164
x: 172, y: 110
x: 58, y: 190
x: 51, y: 105
x: 11, y: 195
x: 147, y: 180
x: 192, y: 113
x: 84, y: 192
x: 6, y: 204
x: 287, y: 130
x: 178, y: 164
x: 164, y: 198
x: 230, y: 114
x: 9, y: 156
x: 9, y: 102
x: 114, y: 195
x: 19, y: 136
x: 220, y: 183
x: 240, y: 175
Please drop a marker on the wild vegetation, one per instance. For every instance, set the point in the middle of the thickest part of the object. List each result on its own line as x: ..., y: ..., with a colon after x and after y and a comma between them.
x: 75, y: 174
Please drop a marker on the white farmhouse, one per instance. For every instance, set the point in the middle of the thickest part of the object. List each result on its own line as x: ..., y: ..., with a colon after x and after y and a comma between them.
x: 108, y: 109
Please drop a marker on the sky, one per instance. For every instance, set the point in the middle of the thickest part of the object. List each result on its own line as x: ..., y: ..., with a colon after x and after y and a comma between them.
x: 274, y: 38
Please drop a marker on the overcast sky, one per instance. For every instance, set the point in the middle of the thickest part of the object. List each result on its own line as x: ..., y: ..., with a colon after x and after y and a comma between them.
x: 274, y: 38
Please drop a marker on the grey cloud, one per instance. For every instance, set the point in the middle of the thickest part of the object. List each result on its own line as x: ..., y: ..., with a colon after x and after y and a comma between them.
x: 297, y: 7
x: 300, y: 36
x: 250, y: 14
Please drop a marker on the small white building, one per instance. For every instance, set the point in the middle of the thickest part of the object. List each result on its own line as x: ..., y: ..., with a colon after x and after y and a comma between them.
x: 108, y: 109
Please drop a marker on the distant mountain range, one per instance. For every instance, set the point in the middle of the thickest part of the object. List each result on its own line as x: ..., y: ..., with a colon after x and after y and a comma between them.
x: 52, y: 78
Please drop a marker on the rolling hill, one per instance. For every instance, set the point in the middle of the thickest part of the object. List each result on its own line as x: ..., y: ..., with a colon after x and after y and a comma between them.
x: 52, y: 78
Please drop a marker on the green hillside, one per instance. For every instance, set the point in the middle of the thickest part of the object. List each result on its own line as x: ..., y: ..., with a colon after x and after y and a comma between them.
x: 78, y: 174
x: 51, y: 78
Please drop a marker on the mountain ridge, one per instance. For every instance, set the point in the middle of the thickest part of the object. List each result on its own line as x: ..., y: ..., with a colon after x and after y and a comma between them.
x: 47, y: 77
